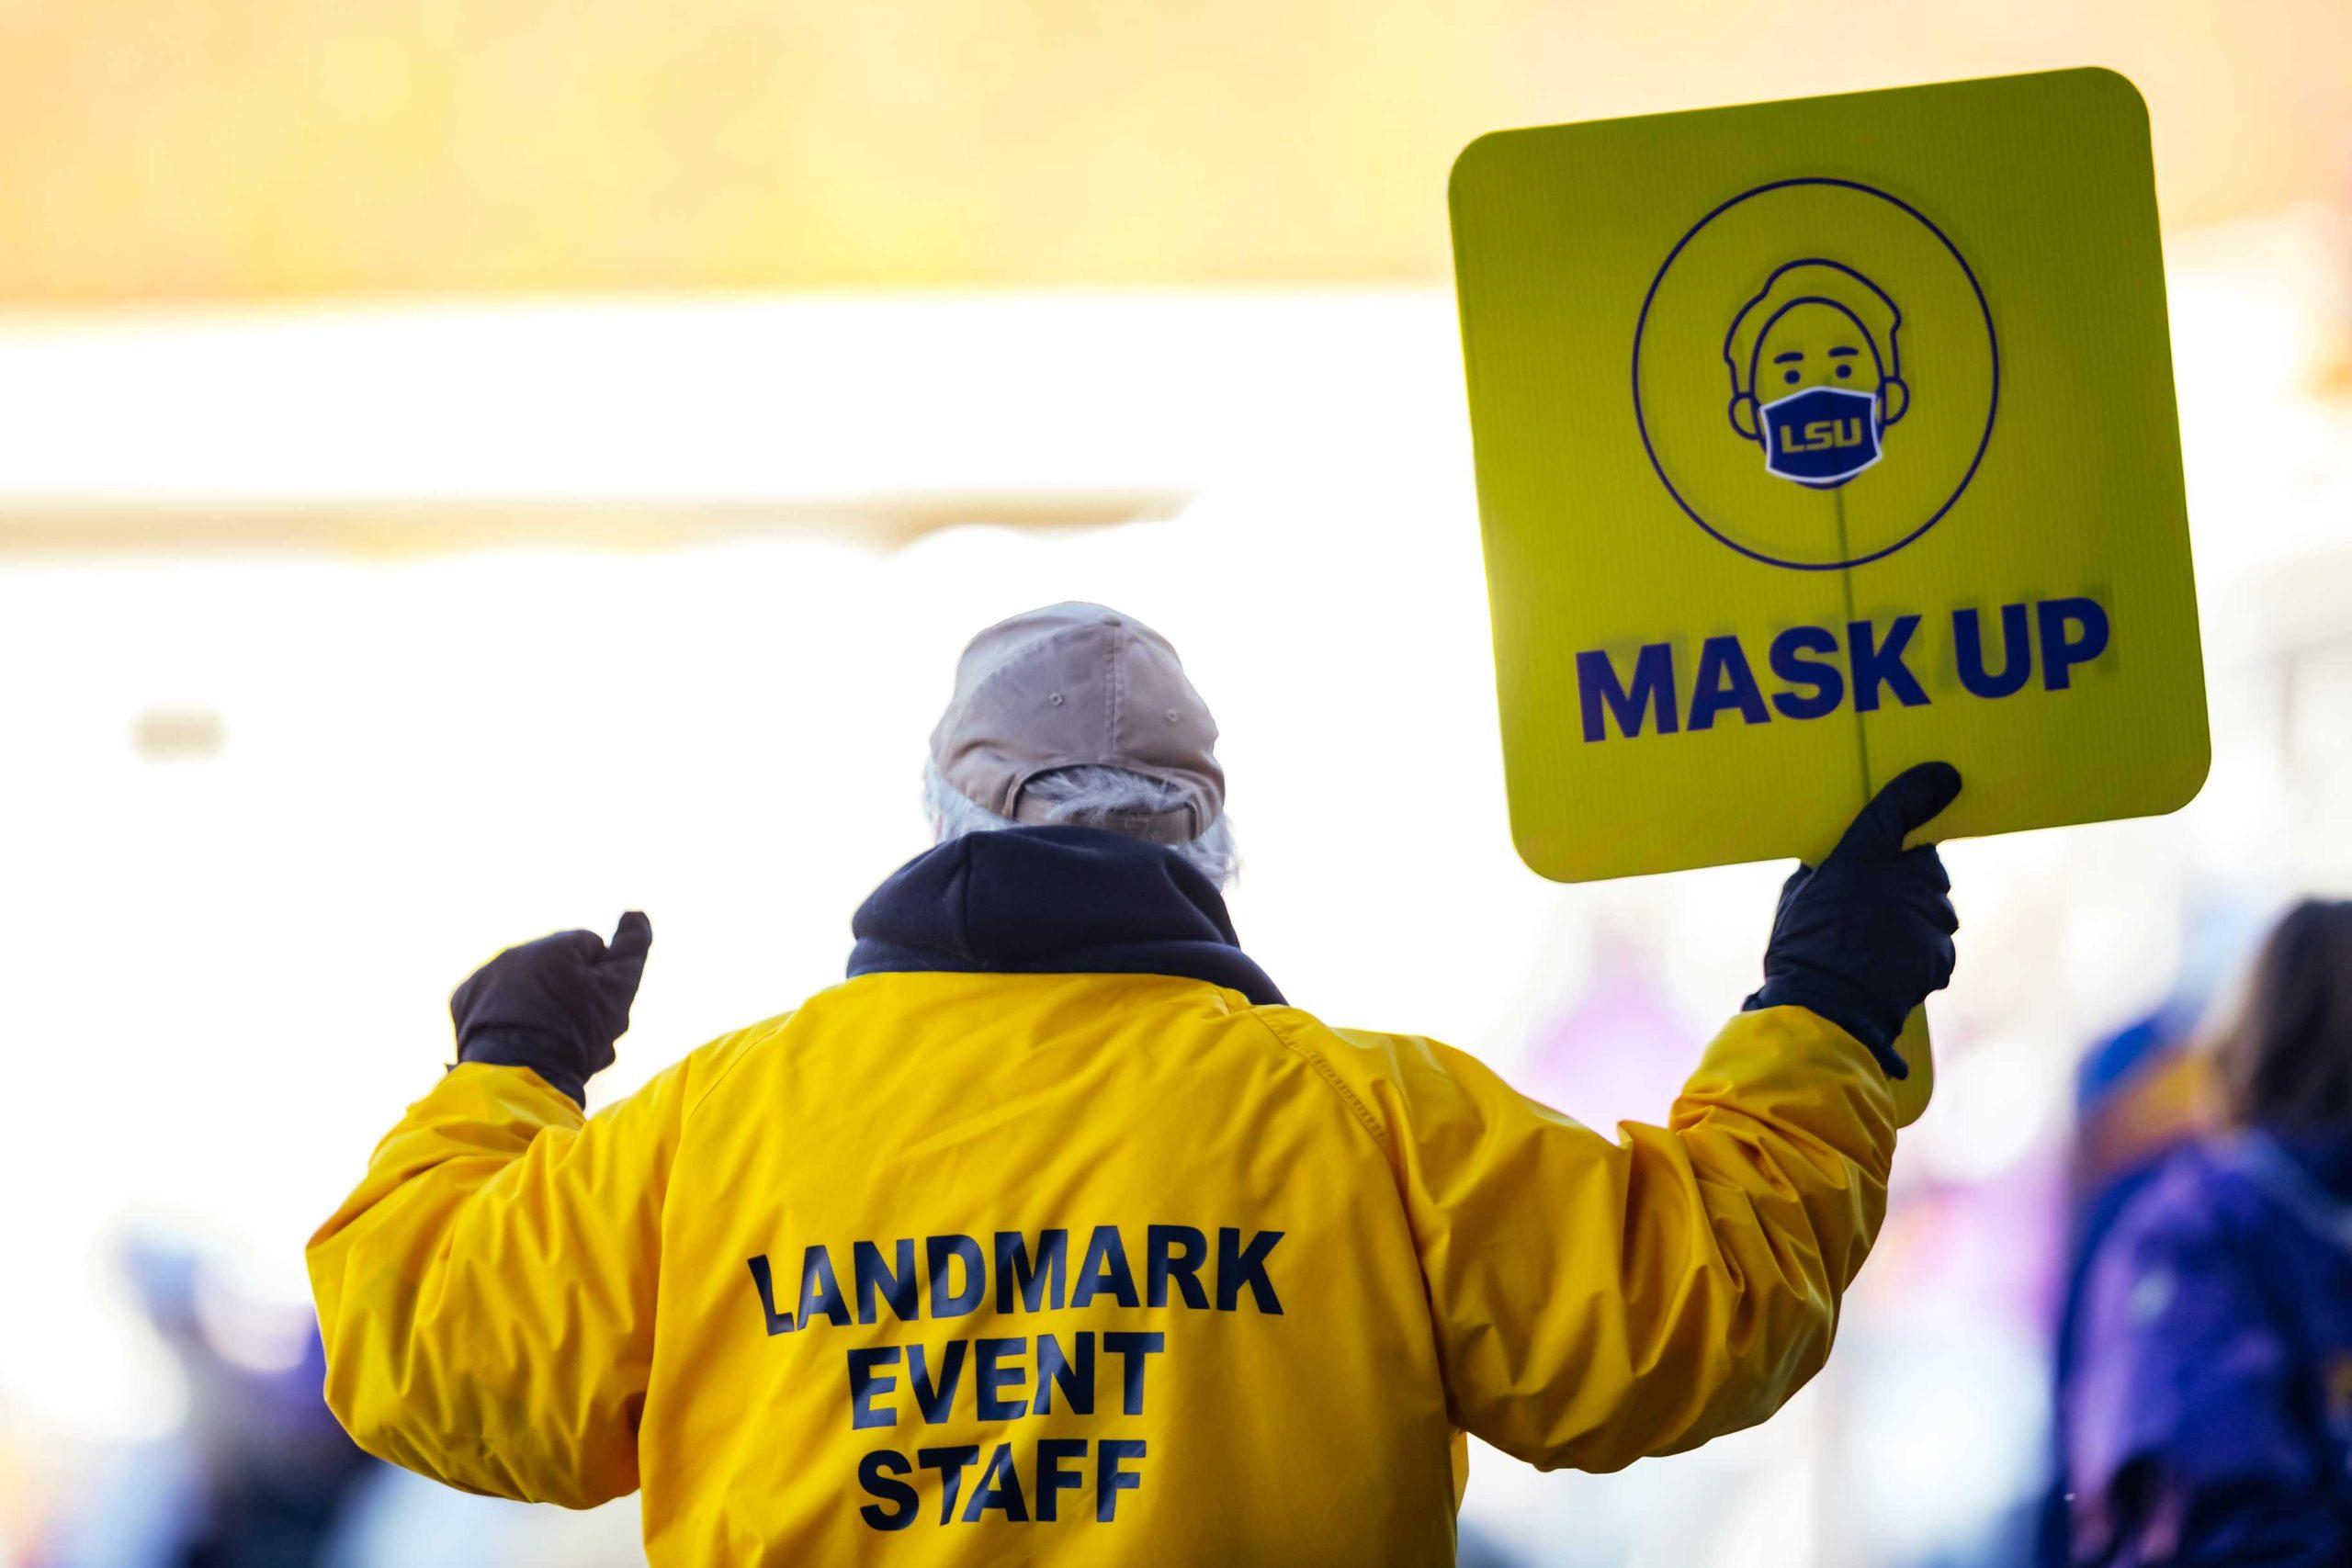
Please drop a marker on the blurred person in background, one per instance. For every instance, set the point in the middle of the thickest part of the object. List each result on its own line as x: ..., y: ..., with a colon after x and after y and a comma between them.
x: 2140, y: 1092
x: 259, y: 1477
x: 1054, y: 1234
x: 2207, y: 1413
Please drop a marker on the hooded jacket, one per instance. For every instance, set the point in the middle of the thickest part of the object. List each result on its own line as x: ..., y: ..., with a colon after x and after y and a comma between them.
x: 2208, y: 1407
x: 1054, y: 1235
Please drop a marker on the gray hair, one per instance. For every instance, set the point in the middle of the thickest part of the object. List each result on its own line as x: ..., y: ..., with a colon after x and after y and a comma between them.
x: 1090, y: 796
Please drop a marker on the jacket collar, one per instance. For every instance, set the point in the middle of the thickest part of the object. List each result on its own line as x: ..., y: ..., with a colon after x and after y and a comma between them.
x: 1053, y: 901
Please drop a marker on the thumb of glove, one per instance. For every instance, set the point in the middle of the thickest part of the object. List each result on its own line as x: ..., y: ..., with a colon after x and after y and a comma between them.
x: 1912, y: 799
x: 615, y: 975
x: 632, y: 940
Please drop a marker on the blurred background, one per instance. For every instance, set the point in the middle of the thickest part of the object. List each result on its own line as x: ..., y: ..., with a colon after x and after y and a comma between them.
x: 466, y: 468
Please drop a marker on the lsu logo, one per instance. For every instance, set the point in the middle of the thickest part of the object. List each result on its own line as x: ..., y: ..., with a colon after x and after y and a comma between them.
x: 1816, y: 372
x: 1824, y: 302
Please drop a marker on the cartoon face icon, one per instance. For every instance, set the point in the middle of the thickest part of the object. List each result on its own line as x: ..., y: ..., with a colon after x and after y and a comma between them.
x: 1816, y: 373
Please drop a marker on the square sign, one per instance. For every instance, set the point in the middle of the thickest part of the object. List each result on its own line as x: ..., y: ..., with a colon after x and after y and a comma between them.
x: 1815, y: 439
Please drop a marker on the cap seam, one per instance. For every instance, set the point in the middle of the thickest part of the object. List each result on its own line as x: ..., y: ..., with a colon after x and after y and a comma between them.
x: 1117, y: 679
x: 1010, y: 802
x: 1004, y: 666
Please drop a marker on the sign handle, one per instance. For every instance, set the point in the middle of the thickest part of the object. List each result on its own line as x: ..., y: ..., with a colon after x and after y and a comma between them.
x: 1846, y: 584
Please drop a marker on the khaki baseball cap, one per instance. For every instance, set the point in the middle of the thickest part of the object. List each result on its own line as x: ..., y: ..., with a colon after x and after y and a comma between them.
x: 1073, y: 685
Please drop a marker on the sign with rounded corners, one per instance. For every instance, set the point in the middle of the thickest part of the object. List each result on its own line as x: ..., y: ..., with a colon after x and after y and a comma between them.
x: 1819, y: 438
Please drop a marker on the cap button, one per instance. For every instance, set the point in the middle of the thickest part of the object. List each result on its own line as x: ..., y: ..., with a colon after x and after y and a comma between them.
x: 1112, y: 621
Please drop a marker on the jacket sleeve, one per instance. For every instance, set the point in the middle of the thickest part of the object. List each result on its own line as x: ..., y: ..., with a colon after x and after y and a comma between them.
x: 2191, y: 1434
x: 486, y: 1295
x: 1598, y: 1301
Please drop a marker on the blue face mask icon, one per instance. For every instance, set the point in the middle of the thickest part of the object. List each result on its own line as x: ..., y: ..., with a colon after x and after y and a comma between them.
x: 1821, y: 436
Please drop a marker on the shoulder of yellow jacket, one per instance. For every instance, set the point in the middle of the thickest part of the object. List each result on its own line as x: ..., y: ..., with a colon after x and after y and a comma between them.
x: 1380, y: 1074
x: 705, y: 1068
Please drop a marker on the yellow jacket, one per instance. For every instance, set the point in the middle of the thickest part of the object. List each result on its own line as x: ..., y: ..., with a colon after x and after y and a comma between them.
x: 1079, y: 1267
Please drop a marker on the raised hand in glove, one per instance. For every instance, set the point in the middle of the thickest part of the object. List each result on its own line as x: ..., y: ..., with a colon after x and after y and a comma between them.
x: 1862, y: 938
x: 555, y: 1005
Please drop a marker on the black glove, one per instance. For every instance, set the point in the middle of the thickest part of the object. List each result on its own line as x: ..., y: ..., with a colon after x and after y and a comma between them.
x: 555, y: 1005
x: 1862, y: 938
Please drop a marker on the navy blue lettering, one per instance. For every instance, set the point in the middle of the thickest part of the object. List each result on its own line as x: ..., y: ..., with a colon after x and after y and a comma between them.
x: 950, y: 1463
x: 1134, y: 1351
x: 1109, y: 1479
x: 876, y: 1279
x: 2060, y: 652
x: 1725, y: 682
x: 936, y: 1399
x: 1238, y: 1266
x: 1652, y: 692
x: 990, y: 1377
x: 871, y: 1472
x: 820, y: 1293
x: 999, y: 1488
x: 1075, y: 1378
x: 764, y: 1283
x: 1039, y: 1286
x: 1053, y: 1479
x: 1176, y: 1252
x: 1826, y: 681
x: 1881, y: 664
x: 1105, y: 1268
x: 865, y: 1364
x: 940, y: 1251
x: 2016, y: 652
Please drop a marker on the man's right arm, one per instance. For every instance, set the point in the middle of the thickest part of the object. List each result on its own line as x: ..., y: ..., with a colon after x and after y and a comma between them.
x: 1595, y: 1301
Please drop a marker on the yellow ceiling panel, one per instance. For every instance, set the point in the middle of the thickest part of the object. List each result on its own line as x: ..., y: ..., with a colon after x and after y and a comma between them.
x: 159, y: 149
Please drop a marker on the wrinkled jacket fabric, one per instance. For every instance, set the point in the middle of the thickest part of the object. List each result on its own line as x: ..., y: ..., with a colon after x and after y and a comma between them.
x: 2209, y: 1410
x: 1052, y: 1236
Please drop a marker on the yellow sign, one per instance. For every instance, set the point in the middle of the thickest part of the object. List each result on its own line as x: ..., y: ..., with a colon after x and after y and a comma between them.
x: 1819, y: 438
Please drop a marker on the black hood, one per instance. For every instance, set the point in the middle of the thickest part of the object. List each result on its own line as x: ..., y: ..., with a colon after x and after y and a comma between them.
x: 1053, y: 901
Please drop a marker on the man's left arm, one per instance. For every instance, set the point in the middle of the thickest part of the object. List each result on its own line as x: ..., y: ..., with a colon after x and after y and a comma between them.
x: 486, y: 1295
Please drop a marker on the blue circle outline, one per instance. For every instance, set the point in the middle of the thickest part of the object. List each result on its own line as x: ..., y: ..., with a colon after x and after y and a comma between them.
x: 1992, y: 341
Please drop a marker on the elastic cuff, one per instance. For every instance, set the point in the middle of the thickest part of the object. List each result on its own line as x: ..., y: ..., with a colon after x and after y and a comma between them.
x: 524, y: 1051
x: 1875, y: 1037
